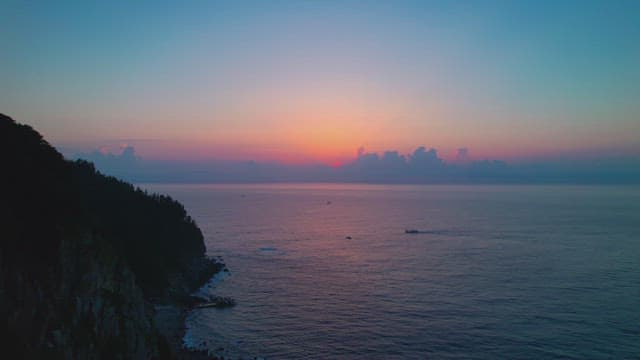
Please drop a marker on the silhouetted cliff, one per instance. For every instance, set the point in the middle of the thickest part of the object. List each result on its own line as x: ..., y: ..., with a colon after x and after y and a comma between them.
x: 82, y: 253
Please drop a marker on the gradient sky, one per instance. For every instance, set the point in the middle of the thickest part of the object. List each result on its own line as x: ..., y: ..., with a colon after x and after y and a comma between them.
x: 312, y: 81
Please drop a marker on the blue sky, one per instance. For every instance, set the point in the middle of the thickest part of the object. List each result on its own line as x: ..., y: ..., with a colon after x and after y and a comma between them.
x: 312, y: 81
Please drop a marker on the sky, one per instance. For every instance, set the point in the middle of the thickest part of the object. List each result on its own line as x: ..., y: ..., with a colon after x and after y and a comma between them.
x: 304, y: 83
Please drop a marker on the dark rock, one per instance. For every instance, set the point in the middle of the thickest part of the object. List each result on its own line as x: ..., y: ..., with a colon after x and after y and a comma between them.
x: 217, y: 302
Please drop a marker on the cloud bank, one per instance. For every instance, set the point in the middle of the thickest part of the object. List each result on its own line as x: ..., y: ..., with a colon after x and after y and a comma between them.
x: 421, y: 166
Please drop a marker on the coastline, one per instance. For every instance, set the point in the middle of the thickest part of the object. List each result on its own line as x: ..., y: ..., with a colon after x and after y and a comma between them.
x: 171, y: 312
x: 170, y: 322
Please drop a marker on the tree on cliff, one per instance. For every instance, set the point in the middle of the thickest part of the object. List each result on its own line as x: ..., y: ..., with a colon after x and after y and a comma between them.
x: 80, y: 252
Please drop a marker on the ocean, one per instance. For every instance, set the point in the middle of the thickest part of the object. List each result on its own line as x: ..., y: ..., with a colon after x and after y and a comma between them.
x: 327, y: 271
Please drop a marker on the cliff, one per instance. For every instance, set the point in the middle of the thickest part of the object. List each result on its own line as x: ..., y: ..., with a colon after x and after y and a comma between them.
x: 82, y: 255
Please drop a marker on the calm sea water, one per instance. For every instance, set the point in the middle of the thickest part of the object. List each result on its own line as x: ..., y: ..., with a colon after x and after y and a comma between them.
x: 496, y: 272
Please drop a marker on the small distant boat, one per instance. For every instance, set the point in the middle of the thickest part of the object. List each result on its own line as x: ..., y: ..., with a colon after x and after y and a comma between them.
x: 411, y: 231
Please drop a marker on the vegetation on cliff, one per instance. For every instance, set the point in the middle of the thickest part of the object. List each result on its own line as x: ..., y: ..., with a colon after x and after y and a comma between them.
x: 81, y: 253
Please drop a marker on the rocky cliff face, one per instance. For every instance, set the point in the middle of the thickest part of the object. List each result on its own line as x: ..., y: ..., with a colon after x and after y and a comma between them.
x: 85, y: 306
x: 107, y: 315
x: 76, y: 276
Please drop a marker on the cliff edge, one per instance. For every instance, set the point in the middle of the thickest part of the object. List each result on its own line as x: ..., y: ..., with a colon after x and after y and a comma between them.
x: 84, y: 256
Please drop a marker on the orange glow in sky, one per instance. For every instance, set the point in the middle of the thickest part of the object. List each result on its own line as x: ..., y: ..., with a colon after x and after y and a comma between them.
x: 306, y: 82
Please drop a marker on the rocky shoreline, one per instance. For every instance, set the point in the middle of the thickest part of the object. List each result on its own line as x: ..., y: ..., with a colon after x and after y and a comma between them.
x: 171, y: 311
x: 170, y: 322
